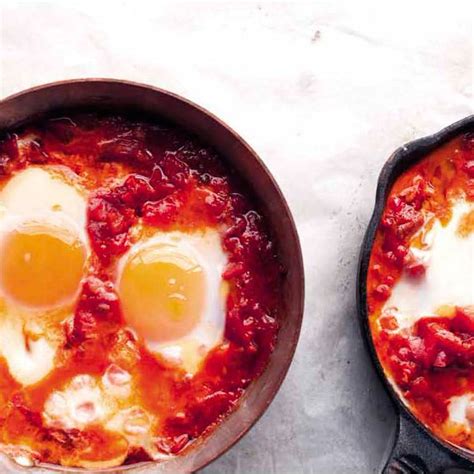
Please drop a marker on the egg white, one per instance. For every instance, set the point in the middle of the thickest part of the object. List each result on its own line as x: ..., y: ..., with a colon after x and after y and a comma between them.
x: 457, y: 422
x: 106, y: 401
x: 449, y: 276
x: 205, y: 247
x: 27, y: 363
x: 38, y: 191
x: 457, y: 409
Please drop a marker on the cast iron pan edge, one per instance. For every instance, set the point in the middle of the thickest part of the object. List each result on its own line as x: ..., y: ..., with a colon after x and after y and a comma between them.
x: 415, y: 449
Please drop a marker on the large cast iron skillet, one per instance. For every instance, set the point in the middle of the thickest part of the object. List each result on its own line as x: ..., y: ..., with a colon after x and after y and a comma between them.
x: 416, y: 449
x: 123, y: 96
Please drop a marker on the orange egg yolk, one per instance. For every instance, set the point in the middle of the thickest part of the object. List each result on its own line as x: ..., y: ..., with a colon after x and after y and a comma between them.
x: 162, y: 292
x: 41, y: 266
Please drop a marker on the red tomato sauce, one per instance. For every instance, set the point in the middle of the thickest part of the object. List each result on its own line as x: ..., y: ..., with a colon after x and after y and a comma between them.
x: 434, y: 359
x: 156, y: 174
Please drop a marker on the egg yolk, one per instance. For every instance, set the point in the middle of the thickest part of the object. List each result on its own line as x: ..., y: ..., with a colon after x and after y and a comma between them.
x: 41, y: 267
x: 162, y: 291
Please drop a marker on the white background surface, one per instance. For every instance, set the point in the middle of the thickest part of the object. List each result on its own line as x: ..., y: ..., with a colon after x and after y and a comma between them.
x: 324, y: 91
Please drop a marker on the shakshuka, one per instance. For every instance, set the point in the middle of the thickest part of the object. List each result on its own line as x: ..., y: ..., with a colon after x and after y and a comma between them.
x: 139, y: 290
x: 420, y: 290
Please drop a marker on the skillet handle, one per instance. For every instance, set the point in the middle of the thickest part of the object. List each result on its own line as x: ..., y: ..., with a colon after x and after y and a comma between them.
x: 414, y: 452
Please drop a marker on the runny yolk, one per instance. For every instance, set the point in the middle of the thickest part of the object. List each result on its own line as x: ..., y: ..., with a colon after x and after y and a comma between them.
x: 41, y: 266
x: 162, y: 292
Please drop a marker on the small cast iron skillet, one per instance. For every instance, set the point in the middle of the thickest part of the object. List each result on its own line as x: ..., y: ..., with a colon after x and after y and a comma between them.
x: 121, y: 97
x: 416, y: 449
